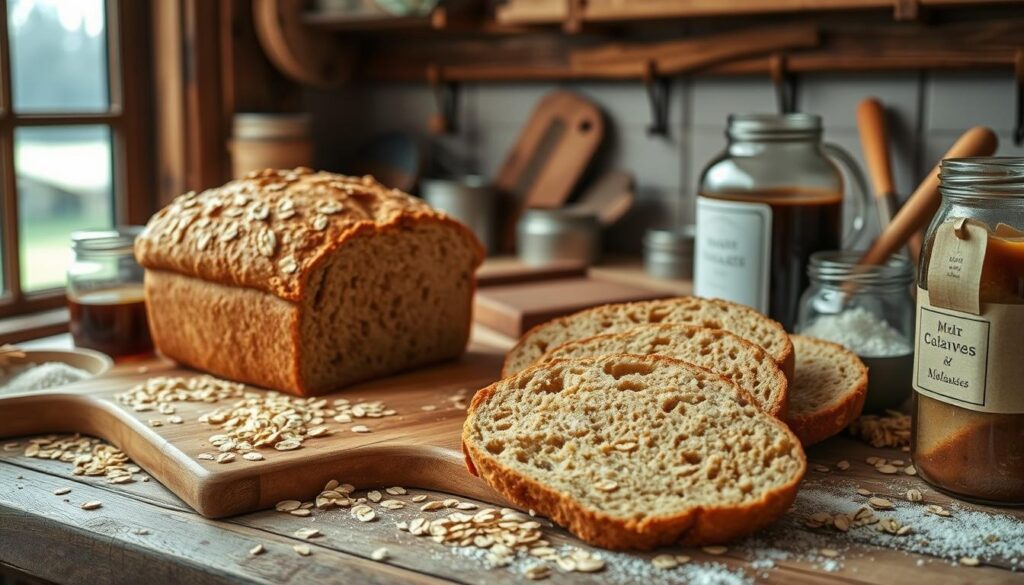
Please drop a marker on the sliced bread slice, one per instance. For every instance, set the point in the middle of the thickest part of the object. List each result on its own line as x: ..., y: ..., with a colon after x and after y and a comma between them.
x: 634, y: 452
x: 711, y: 313
x: 718, y: 350
x: 828, y: 390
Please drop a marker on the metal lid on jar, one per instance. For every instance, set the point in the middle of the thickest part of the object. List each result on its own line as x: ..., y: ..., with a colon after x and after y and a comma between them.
x: 115, y: 241
x: 671, y: 240
x: 555, y: 220
x: 837, y: 267
x: 263, y: 126
x: 982, y: 175
x: 773, y: 126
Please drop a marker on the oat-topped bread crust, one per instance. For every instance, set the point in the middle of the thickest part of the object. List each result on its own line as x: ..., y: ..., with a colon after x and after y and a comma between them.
x: 634, y: 452
x: 724, y: 353
x: 828, y: 389
x: 267, y: 230
x: 710, y: 313
x: 306, y: 282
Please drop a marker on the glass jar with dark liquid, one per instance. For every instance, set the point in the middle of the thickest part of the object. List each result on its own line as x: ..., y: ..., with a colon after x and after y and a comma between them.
x: 105, y: 293
x: 772, y: 199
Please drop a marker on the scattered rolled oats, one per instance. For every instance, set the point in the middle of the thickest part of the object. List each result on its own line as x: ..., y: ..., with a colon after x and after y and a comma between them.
x: 914, y: 495
x: 665, y: 561
x: 302, y: 512
x: 715, y: 550
x: 380, y: 554
x: 880, y: 503
x: 61, y: 491
x: 307, y: 533
x: 302, y: 549
x: 360, y: 429
x: 969, y: 561
x: 829, y: 552
x: 287, y: 505
x: 252, y: 456
x: 606, y: 485
x: 843, y: 465
x: 396, y: 491
x: 92, y: 505
x: 256, y: 550
x: 90, y: 456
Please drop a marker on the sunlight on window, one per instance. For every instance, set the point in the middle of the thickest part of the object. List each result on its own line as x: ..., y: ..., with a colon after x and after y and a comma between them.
x: 64, y: 184
x: 58, y: 55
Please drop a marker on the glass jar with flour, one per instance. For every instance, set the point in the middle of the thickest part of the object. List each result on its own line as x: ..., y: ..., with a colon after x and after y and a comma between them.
x: 870, y: 311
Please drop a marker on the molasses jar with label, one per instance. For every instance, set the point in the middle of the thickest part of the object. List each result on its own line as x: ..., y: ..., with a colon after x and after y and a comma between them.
x: 105, y: 293
x: 773, y: 198
x: 968, y: 433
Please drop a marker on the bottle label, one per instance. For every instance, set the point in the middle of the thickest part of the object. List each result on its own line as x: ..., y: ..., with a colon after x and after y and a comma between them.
x: 732, y: 251
x: 967, y: 359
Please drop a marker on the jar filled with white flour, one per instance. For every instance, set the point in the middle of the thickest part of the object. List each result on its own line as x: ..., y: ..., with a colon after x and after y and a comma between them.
x: 870, y: 311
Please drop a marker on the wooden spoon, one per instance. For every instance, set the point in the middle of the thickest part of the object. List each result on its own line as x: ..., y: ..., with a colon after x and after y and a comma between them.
x: 874, y: 141
x: 919, y: 209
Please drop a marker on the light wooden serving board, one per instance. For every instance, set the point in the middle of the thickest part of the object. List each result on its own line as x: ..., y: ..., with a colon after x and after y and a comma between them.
x: 414, y: 448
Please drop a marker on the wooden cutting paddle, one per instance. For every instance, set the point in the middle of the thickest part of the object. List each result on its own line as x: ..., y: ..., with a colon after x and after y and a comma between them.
x: 874, y: 141
x: 418, y: 447
x: 609, y: 198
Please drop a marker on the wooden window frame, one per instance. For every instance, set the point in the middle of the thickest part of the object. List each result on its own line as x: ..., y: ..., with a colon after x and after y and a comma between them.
x: 127, y: 24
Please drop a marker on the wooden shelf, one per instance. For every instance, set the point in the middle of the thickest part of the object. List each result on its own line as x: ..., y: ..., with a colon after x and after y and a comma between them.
x: 535, y: 12
x: 370, y: 22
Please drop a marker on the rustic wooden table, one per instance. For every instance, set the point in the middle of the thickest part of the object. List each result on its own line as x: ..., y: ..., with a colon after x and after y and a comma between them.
x: 144, y: 534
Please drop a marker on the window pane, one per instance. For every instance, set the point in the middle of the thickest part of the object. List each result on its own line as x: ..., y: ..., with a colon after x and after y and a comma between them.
x: 58, y: 55
x: 64, y: 184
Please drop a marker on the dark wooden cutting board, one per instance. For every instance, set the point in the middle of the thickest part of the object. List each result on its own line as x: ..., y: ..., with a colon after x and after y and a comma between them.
x: 414, y: 448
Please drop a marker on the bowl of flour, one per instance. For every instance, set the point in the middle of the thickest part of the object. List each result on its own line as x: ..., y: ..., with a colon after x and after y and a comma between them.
x: 26, y: 371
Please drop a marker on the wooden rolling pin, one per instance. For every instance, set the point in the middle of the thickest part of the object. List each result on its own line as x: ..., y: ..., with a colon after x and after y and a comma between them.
x: 919, y: 209
x: 874, y: 141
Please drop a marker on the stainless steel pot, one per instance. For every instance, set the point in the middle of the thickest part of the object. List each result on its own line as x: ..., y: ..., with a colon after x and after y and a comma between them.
x: 544, y: 236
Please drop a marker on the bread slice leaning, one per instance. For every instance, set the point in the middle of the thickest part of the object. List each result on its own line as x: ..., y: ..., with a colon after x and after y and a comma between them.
x: 634, y: 452
x: 715, y: 349
x: 710, y: 313
x: 828, y: 389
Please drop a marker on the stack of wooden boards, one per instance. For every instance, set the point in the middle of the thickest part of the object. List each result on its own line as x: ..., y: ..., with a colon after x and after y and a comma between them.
x: 643, y: 424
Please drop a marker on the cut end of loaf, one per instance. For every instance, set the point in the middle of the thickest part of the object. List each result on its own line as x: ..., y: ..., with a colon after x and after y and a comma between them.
x: 386, y: 301
x: 634, y: 452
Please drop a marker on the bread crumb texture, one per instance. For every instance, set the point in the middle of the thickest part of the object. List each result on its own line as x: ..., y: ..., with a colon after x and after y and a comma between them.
x: 715, y: 349
x: 634, y: 452
x: 828, y: 390
x: 701, y: 312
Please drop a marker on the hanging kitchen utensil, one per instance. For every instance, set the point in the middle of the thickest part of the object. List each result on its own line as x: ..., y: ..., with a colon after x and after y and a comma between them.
x: 874, y: 140
x: 554, y: 148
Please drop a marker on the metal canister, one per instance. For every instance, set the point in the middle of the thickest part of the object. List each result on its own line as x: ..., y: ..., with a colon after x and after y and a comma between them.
x: 669, y: 253
x: 469, y: 200
x: 544, y: 236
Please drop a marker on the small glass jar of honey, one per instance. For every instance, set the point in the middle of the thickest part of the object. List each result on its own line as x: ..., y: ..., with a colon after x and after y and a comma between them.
x: 969, y: 360
x: 105, y: 293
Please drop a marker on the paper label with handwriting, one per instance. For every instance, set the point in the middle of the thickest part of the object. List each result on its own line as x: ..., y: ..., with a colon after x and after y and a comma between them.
x: 970, y: 360
x: 954, y: 271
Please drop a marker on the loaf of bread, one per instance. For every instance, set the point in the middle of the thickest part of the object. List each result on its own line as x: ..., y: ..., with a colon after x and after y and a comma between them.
x: 305, y: 282
x: 717, y: 350
x: 710, y: 313
x: 634, y: 452
x: 828, y: 390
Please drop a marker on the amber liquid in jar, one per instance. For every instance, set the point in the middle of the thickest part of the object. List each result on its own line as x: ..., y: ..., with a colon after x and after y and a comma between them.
x: 804, y: 221
x: 112, y: 321
x: 978, y: 455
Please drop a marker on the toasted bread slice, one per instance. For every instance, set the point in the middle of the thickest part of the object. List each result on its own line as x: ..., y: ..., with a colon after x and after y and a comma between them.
x: 828, y: 389
x: 711, y: 313
x: 634, y: 452
x: 717, y: 350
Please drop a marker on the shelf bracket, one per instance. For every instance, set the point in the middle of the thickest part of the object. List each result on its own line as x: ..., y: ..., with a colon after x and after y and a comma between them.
x: 1018, y: 67
x: 446, y: 96
x: 658, y: 89
x: 785, y: 84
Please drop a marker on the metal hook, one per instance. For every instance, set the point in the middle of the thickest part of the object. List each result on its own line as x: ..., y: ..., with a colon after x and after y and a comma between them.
x: 446, y: 96
x: 658, y: 89
x: 1018, y: 132
x: 785, y: 84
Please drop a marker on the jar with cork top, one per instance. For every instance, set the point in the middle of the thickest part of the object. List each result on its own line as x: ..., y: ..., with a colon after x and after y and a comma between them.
x: 969, y: 362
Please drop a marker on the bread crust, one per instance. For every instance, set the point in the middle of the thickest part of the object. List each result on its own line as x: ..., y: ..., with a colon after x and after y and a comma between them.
x: 815, y: 427
x: 226, y: 298
x: 701, y: 525
x: 785, y: 357
x: 777, y: 408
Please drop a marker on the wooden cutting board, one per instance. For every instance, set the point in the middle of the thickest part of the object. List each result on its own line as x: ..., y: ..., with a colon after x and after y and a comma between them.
x: 415, y: 448
x: 515, y: 308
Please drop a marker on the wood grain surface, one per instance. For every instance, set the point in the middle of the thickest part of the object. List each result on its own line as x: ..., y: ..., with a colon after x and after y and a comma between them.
x: 416, y: 447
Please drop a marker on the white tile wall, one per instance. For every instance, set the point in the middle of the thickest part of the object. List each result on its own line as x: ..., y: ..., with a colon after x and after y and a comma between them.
x: 926, y: 112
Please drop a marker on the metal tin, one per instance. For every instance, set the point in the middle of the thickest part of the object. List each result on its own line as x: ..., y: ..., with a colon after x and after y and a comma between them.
x: 544, y: 236
x: 469, y: 200
x: 669, y: 253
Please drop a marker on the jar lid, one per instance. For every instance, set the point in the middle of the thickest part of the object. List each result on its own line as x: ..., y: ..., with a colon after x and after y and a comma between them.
x: 843, y: 266
x: 256, y: 126
x: 119, y: 240
x: 779, y: 126
x: 982, y: 175
x: 675, y: 240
